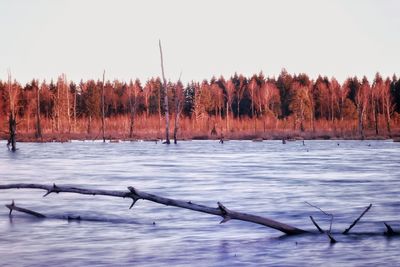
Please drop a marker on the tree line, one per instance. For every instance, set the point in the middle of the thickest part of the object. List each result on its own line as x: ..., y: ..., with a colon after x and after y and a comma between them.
x: 292, y: 102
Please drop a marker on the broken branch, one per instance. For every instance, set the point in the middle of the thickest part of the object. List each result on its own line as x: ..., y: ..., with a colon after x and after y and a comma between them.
x: 12, y: 207
x: 316, y: 225
x: 390, y: 231
x: 356, y: 221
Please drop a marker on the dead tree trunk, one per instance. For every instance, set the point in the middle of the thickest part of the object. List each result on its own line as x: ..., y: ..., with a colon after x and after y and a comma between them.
x: 102, y: 108
x: 165, y: 97
x: 12, y: 122
x: 135, y: 195
x: 12, y: 129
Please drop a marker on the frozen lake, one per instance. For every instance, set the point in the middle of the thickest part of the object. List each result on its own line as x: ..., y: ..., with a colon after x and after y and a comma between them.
x: 263, y: 178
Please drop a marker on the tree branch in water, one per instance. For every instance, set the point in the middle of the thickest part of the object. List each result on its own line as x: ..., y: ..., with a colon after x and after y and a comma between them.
x: 135, y: 195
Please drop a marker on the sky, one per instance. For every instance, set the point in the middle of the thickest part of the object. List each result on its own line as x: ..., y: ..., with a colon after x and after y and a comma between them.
x: 44, y: 38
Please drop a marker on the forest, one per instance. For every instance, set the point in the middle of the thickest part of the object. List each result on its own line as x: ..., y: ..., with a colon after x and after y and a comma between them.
x: 256, y: 107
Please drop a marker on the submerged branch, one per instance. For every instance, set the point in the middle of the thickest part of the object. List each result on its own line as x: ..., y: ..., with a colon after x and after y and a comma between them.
x: 12, y: 207
x: 390, y: 231
x: 356, y: 221
x: 316, y: 224
x: 135, y: 195
x: 329, y: 232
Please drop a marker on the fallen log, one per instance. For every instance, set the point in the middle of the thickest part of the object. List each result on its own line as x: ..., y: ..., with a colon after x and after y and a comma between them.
x: 135, y: 195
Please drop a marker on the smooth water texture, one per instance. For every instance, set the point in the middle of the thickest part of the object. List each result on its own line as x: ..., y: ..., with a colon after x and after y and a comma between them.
x: 264, y: 178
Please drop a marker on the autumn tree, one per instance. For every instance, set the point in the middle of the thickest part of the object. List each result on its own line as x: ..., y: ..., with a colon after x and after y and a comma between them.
x: 217, y: 100
x: 38, y: 128
x: 229, y: 95
x: 361, y: 100
x: 134, y: 90
x: 387, y: 104
x: 240, y: 88
x: 300, y: 105
x: 91, y: 95
x: 395, y: 92
x: 179, y: 99
x: 284, y: 84
x: 74, y: 92
x: 271, y: 99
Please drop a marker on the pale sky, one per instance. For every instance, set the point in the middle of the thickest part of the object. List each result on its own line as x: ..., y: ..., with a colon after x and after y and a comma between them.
x: 42, y: 39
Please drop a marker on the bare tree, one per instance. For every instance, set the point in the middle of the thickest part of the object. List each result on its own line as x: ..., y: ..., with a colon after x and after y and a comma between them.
x: 361, y: 101
x: 12, y: 121
x: 376, y: 95
x: 165, y: 97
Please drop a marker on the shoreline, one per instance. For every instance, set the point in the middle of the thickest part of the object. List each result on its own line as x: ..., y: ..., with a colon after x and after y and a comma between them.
x: 64, y: 138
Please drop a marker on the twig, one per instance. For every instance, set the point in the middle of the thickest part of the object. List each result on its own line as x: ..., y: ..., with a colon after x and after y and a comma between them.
x: 356, y: 221
x: 331, y: 238
x: 327, y: 214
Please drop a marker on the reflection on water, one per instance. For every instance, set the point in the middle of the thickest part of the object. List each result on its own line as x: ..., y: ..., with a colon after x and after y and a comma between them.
x: 268, y: 179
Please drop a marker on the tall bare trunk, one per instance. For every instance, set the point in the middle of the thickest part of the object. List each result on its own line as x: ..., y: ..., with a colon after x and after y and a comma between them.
x: 102, y: 108
x: 165, y: 97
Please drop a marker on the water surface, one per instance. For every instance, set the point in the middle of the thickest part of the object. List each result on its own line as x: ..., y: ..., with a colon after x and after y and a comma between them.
x: 264, y: 178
